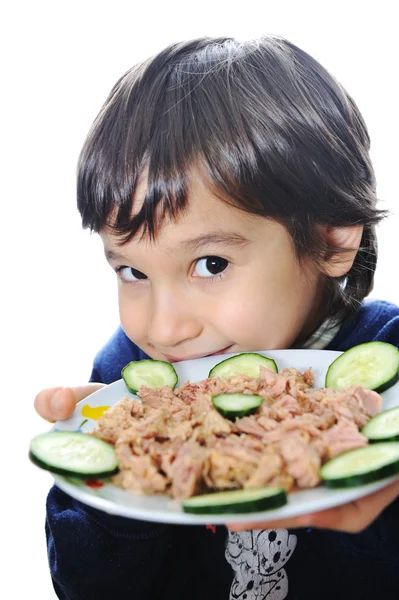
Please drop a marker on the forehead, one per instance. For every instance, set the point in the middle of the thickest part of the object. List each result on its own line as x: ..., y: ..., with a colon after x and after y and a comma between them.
x: 204, y: 215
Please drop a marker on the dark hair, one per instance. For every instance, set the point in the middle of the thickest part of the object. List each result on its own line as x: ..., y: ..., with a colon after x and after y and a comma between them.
x: 271, y: 130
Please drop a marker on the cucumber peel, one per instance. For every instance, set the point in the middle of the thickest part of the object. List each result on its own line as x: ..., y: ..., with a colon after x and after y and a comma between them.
x: 247, y: 363
x: 383, y: 427
x: 236, y: 405
x: 374, y: 365
x: 151, y: 373
x: 362, y: 465
x: 236, y: 501
x: 73, y: 453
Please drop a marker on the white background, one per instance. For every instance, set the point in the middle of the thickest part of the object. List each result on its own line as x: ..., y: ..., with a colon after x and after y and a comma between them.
x: 58, y: 298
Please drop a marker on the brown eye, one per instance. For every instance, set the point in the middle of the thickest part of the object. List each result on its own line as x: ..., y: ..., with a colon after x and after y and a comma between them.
x: 210, y: 266
x: 130, y: 274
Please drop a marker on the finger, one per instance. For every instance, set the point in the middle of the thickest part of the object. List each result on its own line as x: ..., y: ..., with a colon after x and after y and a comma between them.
x: 356, y: 516
x: 352, y: 517
x: 58, y: 403
x: 291, y: 523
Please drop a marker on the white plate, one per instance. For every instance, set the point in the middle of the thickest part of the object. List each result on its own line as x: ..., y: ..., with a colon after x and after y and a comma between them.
x: 114, y: 500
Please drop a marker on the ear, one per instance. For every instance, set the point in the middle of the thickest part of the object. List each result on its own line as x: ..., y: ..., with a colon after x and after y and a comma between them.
x: 347, y: 240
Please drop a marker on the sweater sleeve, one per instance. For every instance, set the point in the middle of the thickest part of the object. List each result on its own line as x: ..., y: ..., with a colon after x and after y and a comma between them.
x: 376, y: 320
x: 113, y: 356
x: 93, y: 554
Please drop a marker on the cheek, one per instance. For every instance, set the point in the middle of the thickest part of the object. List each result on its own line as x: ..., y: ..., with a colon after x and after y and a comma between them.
x: 132, y: 314
x: 253, y: 320
x: 269, y: 314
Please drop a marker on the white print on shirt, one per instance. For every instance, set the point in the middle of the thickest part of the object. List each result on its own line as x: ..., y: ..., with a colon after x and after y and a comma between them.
x: 258, y: 558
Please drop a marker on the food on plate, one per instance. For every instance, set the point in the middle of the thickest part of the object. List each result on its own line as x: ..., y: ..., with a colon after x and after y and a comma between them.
x: 151, y: 373
x: 374, y: 365
x: 73, y: 453
x: 361, y: 466
x: 246, y: 363
x: 238, y: 442
x: 383, y: 427
x: 237, y: 501
x: 175, y: 442
x: 236, y: 405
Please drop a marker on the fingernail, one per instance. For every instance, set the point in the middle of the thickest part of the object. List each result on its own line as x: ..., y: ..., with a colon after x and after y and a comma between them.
x: 56, y: 401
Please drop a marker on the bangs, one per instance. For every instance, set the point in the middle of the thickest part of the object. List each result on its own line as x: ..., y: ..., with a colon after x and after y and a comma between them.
x: 233, y: 110
x: 269, y: 129
x: 163, y: 118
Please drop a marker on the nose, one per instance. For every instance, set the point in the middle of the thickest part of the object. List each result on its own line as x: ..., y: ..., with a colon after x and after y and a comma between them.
x: 172, y: 320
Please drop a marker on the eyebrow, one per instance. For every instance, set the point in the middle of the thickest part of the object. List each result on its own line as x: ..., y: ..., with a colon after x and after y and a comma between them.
x: 111, y: 255
x: 194, y: 244
x: 224, y: 238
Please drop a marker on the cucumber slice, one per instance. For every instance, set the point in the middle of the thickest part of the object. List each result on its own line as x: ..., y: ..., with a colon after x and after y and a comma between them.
x: 383, y: 427
x: 360, y: 466
x: 237, y: 501
x: 247, y: 363
x: 151, y: 373
x: 374, y: 365
x: 73, y: 453
x: 236, y: 405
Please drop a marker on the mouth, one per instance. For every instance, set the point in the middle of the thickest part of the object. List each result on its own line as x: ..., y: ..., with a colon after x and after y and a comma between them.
x: 175, y: 359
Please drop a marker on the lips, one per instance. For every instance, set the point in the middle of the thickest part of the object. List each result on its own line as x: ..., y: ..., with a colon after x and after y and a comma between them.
x: 224, y: 351
x: 175, y: 359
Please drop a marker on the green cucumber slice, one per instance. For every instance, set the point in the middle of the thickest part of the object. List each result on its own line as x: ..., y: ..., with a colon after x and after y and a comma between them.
x: 236, y: 501
x: 383, y: 427
x: 151, y: 373
x: 362, y: 465
x: 374, y: 365
x: 247, y: 363
x: 73, y: 453
x: 236, y: 405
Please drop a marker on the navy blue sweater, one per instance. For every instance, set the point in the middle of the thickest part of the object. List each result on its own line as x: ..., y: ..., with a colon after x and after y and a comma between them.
x: 93, y: 555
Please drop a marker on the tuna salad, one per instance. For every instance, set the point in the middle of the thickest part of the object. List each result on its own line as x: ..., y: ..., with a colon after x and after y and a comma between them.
x: 175, y: 442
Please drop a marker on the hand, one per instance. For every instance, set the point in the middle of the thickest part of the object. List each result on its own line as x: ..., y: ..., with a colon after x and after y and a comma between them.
x: 351, y: 518
x: 56, y: 404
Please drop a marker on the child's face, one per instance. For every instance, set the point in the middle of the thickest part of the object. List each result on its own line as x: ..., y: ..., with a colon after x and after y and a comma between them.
x: 216, y: 280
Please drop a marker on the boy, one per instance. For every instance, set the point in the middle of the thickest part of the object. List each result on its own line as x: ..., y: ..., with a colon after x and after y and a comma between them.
x: 232, y: 187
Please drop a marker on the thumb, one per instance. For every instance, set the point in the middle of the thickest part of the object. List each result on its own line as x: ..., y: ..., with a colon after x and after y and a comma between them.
x: 56, y: 404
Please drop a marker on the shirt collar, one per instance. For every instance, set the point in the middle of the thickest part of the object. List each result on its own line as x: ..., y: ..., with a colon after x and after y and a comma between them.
x: 321, y: 337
